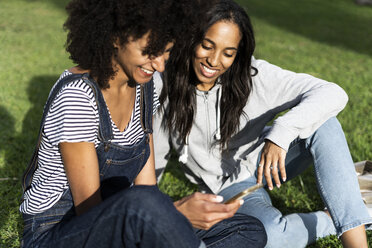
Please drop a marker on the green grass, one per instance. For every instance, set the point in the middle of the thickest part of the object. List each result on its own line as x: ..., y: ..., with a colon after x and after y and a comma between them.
x: 328, y: 39
x: 31, y: 58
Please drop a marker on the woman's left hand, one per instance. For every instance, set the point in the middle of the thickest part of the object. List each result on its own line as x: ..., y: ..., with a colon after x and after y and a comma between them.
x: 272, y: 161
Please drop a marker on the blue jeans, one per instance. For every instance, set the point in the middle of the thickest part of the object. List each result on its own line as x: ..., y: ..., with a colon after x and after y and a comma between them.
x: 239, y: 231
x: 140, y: 216
x: 337, y: 184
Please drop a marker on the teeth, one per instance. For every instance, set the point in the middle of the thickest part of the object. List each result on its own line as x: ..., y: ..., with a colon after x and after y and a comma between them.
x: 208, y: 70
x: 147, y: 71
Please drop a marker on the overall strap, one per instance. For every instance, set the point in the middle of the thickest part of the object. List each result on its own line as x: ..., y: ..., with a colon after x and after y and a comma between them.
x: 103, y: 120
x: 147, y: 98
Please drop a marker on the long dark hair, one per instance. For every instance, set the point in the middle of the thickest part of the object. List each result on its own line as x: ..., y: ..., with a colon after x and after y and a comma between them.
x: 180, y: 80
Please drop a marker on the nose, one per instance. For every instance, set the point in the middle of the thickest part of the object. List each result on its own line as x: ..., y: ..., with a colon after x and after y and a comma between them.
x: 158, y: 63
x: 212, y: 59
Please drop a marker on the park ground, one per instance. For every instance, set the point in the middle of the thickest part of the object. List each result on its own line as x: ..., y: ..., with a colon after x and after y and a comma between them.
x: 328, y: 39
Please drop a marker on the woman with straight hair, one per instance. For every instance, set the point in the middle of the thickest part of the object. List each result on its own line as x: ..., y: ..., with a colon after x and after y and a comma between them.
x: 217, y: 103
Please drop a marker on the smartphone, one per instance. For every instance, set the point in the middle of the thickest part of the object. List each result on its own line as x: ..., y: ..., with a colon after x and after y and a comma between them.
x: 244, y: 193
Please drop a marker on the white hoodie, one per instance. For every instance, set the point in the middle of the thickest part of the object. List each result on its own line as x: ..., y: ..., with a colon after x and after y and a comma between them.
x: 310, y: 102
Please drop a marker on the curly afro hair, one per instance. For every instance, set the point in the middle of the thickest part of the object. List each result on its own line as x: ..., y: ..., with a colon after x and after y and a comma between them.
x: 94, y: 25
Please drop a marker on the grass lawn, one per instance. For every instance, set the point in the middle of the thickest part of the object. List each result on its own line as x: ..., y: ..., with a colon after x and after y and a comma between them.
x: 328, y: 39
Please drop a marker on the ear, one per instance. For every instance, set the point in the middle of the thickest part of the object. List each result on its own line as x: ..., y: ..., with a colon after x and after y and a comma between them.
x: 116, y: 43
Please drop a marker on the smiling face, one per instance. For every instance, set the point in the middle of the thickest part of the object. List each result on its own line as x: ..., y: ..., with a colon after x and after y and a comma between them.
x: 216, y: 53
x: 132, y: 65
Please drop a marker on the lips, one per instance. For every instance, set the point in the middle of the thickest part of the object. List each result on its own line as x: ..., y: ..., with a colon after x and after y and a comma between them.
x: 207, y: 72
x: 146, y: 72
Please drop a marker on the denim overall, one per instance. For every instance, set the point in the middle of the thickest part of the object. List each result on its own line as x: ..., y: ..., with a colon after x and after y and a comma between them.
x: 118, y: 167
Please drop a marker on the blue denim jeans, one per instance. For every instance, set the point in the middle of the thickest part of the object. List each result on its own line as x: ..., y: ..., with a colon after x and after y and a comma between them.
x: 239, y: 231
x: 337, y: 184
x: 140, y: 216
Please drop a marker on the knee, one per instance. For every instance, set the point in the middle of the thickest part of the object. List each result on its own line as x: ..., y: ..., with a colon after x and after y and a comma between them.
x: 329, y: 134
x: 145, y: 210
x: 143, y: 196
x: 330, y: 127
x: 249, y: 229
x: 150, y: 201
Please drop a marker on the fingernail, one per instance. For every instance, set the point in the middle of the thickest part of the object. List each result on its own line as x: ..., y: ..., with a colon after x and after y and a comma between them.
x: 284, y: 179
x: 278, y: 185
x: 219, y: 198
x: 241, y: 202
x: 270, y: 188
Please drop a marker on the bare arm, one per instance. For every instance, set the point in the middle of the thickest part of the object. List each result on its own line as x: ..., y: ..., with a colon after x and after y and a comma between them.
x: 147, y: 174
x: 82, y: 170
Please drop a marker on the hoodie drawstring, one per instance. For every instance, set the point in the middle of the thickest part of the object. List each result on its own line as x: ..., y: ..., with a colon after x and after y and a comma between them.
x: 183, y: 158
x: 218, y: 114
x: 185, y: 153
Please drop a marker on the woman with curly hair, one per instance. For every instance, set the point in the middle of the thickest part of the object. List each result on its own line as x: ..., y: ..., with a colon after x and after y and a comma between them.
x: 218, y: 100
x: 91, y: 181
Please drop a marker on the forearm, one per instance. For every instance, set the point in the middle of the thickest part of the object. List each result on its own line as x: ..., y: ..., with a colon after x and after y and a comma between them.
x: 315, y: 108
x: 310, y: 101
x: 147, y: 174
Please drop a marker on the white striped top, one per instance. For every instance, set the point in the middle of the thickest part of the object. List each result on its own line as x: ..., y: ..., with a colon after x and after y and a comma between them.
x: 72, y: 117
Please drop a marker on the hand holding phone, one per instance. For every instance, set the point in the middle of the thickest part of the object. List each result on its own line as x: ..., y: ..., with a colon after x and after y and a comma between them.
x: 244, y: 193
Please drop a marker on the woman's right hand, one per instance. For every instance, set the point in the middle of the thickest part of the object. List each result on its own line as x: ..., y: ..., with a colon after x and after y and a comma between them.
x: 205, y: 210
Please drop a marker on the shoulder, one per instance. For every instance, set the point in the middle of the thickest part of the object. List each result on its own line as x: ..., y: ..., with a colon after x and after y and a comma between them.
x: 74, y: 90
x: 73, y: 115
x: 265, y: 68
x: 75, y: 96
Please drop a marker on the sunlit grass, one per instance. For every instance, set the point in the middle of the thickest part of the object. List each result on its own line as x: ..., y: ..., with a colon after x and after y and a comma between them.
x: 328, y: 39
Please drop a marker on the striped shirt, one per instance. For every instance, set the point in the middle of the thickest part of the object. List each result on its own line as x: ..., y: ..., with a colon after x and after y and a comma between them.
x: 72, y: 117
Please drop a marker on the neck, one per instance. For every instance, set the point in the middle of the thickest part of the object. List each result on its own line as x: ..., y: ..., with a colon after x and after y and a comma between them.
x: 120, y: 79
x: 205, y: 86
x: 78, y: 70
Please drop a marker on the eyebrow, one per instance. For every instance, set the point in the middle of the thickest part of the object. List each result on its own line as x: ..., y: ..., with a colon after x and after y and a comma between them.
x: 229, y: 48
